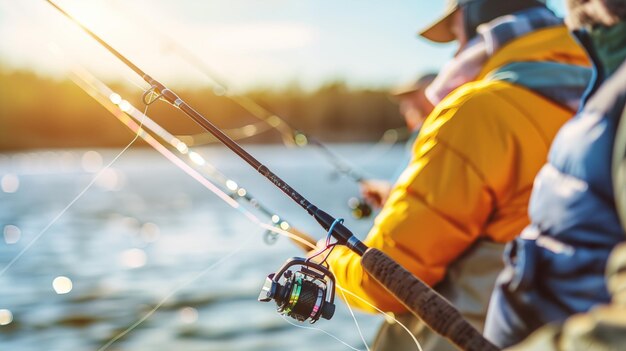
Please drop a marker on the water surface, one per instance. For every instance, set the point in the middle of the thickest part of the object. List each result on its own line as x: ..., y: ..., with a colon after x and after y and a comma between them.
x: 146, y: 232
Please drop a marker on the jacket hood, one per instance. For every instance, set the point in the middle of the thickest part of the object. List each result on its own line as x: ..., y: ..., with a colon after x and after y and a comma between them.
x: 553, y: 44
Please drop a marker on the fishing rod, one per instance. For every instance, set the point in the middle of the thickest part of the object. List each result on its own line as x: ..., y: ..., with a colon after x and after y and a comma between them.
x: 126, y: 113
x: 290, y: 135
x: 305, y: 294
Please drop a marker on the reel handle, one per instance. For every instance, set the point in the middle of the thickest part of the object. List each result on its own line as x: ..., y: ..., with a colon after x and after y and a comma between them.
x: 424, y: 302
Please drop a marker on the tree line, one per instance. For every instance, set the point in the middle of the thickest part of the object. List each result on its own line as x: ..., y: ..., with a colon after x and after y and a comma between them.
x: 40, y: 112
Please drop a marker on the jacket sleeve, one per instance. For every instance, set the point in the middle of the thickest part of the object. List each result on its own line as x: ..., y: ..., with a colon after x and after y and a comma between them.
x: 436, y: 210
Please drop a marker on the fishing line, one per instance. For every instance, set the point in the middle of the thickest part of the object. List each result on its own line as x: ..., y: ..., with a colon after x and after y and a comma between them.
x: 140, y: 132
x: 124, y: 112
x: 64, y: 210
x: 343, y: 290
x: 89, y: 84
x: 356, y: 322
x: 387, y: 315
x: 290, y: 135
x: 173, y: 292
x: 374, y: 261
x: 319, y: 329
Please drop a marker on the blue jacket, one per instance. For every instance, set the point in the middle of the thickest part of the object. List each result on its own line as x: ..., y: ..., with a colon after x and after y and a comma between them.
x: 556, y: 267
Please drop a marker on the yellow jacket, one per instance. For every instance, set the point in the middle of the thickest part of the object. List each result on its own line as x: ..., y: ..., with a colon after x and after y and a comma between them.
x: 471, y: 173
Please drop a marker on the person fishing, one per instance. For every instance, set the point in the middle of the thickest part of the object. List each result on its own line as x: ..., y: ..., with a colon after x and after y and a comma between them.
x: 414, y: 108
x: 516, y: 78
x: 604, y: 326
x: 556, y: 267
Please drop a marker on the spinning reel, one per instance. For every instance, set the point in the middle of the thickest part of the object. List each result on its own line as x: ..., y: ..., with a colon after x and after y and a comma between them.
x: 307, y: 293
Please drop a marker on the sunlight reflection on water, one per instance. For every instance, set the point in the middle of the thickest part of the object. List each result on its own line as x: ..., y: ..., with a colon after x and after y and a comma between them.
x: 138, y: 235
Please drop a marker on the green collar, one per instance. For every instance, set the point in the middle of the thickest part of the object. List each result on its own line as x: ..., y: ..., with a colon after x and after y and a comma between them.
x: 609, y: 46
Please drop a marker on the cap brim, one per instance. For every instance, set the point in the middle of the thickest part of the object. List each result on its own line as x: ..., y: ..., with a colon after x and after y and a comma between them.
x: 439, y: 31
x: 403, y: 90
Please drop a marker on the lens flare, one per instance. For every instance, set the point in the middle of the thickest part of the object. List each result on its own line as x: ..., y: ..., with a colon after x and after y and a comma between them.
x: 62, y: 285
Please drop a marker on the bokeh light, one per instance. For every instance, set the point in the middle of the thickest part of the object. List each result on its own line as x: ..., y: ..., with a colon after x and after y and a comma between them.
x: 62, y: 285
x: 133, y: 258
x: 196, y: 158
x: 125, y: 106
x: 111, y: 180
x: 131, y: 223
x: 274, y: 121
x: 115, y: 98
x: 91, y: 161
x: 301, y: 139
x: 188, y: 315
x: 232, y: 185
x: 10, y: 183
x: 12, y: 234
x: 180, y: 146
x: 249, y: 130
x: 150, y: 232
x: 6, y: 317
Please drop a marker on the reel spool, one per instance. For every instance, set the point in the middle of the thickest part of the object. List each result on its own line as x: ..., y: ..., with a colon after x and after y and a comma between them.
x: 307, y: 293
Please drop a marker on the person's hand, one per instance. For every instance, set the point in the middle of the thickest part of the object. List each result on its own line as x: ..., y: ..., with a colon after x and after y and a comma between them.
x: 375, y: 191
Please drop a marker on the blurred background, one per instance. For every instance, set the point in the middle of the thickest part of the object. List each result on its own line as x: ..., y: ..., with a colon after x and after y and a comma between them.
x: 96, y: 239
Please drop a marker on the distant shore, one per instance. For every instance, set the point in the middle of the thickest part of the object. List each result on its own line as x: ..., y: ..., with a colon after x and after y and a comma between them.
x: 38, y: 112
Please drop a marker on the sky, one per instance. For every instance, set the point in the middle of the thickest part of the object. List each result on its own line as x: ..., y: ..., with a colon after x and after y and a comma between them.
x: 249, y: 43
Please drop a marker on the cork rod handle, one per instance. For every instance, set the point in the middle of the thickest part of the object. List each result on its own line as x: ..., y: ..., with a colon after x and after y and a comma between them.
x: 424, y: 302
